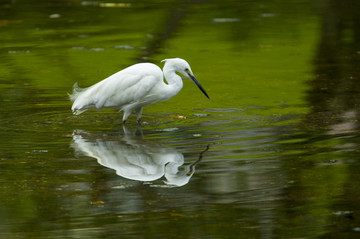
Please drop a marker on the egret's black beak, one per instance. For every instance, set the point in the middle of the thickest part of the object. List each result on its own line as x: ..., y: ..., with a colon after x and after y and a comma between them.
x: 192, y: 77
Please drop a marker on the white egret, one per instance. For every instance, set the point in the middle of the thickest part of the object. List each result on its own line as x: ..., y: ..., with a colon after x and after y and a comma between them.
x: 134, y: 87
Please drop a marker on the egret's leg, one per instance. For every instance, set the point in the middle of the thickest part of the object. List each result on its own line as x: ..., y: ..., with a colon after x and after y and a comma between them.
x: 138, y: 114
x: 127, y: 132
x: 126, y: 115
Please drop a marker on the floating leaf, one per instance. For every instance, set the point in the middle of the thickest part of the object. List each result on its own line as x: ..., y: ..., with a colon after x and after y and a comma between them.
x: 55, y: 15
x: 178, y: 116
x: 111, y: 4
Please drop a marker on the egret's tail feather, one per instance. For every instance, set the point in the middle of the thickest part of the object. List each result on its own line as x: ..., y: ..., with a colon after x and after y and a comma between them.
x: 76, y: 92
x: 78, y: 105
x: 78, y: 111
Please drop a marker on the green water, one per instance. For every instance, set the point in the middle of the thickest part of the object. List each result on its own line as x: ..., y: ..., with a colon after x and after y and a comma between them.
x: 274, y: 153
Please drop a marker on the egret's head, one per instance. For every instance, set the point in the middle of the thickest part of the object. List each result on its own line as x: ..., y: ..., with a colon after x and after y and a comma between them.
x: 181, y: 66
x: 178, y: 65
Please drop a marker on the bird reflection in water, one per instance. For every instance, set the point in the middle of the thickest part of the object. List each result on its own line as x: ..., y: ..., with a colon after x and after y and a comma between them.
x: 134, y: 158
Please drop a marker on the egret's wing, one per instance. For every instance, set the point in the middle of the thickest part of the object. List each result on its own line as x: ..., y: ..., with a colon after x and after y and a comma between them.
x: 127, y: 89
x: 122, y: 88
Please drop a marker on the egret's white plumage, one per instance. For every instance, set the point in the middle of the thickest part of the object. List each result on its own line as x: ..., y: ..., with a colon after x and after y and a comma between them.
x: 134, y: 87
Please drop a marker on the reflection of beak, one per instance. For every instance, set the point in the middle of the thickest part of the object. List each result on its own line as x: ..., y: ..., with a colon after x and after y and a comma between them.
x: 192, y: 77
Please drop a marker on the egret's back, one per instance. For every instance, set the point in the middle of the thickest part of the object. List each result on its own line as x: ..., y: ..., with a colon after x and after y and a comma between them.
x: 126, y: 88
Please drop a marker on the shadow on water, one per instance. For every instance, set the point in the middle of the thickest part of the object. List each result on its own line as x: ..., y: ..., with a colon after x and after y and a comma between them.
x: 134, y: 158
x: 333, y: 95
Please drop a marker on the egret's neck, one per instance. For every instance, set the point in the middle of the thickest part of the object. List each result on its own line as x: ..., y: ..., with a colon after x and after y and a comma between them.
x: 174, y: 81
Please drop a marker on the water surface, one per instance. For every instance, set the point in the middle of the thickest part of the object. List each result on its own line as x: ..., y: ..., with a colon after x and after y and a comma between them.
x: 273, y: 154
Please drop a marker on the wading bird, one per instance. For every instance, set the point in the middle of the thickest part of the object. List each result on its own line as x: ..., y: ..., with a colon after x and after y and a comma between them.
x: 134, y: 87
